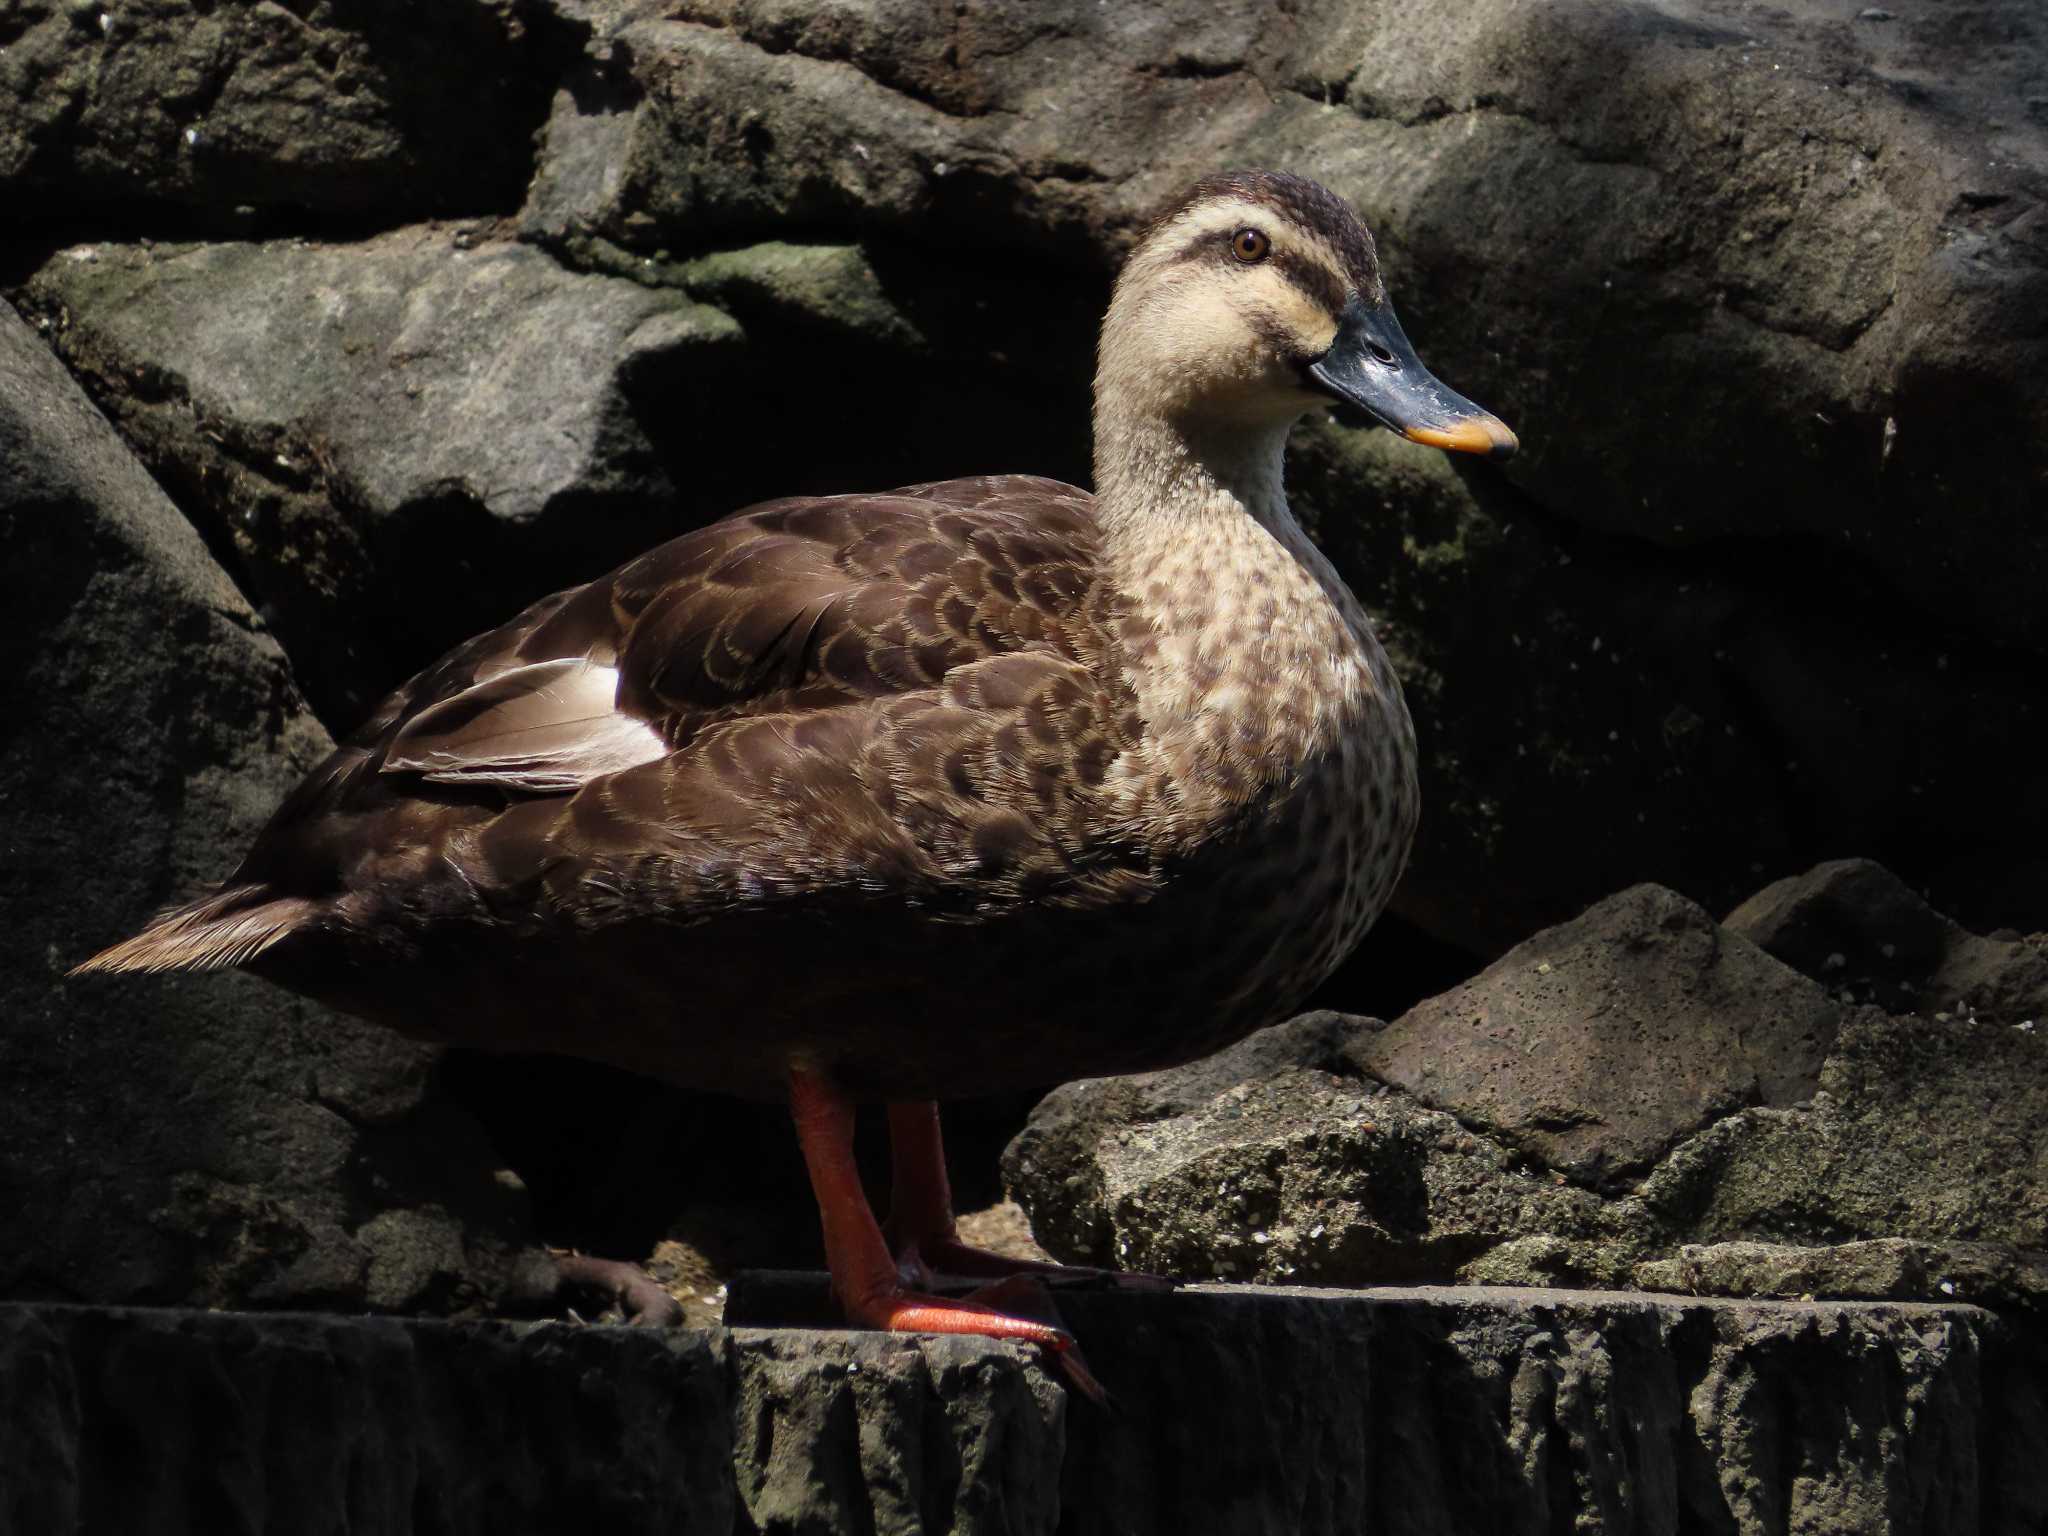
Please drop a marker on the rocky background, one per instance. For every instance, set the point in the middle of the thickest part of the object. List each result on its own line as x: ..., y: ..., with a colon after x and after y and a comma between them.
x: 336, y: 331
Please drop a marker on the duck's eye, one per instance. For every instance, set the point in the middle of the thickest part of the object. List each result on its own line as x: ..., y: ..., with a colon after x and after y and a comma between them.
x: 1249, y: 245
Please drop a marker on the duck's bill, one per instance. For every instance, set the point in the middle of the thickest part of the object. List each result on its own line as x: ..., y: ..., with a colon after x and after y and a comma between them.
x: 1372, y: 366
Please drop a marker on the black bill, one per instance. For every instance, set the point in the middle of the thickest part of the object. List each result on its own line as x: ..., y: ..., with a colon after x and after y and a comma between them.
x: 1372, y: 365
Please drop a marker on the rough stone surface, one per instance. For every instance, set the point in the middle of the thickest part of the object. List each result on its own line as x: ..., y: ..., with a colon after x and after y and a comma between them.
x: 1598, y: 1044
x: 203, y: 1141
x: 1920, y: 1129
x: 215, y: 113
x: 347, y: 418
x: 1858, y: 929
x: 1241, y: 1411
x: 1988, y: 1274
x: 1298, y: 1155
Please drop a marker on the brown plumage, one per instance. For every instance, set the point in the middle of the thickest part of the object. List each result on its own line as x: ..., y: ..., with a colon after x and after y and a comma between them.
x: 964, y: 787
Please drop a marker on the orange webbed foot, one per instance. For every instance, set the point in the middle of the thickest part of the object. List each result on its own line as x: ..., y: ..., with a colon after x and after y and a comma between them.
x: 866, y: 1276
x: 987, y: 1312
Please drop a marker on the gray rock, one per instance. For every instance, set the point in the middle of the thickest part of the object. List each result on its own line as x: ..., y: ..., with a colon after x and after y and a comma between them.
x: 832, y: 287
x: 1301, y: 1175
x: 1278, y: 1411
x: 1988, y: 1274
x: 352, y: 420
x: 1713, y: 717
x: 1921, y: 1129
x: 1060, y: 1141
x: 1298, y: 1156
x: 1597, y: 1045
x: 225, y: 112
x: 199, y: 1140
x: 1857, y: 928
x: 166, y: 1421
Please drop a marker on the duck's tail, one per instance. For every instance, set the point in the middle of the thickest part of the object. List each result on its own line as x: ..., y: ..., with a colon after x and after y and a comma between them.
x: 229, y: 928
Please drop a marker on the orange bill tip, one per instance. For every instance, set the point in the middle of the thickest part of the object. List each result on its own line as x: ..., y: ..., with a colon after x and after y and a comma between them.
x: 1469, y: 434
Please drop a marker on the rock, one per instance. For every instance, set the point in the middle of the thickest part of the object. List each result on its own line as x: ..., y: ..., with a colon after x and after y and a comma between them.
x: 216, y: 115
x: 386, y: 1425
x: 818, y: 287
x: 1002, y: 1228
x: 351, y: 421
x: 1660, y: 695
x: 1857, y: 928
x: 1069, y: 1215
x: 1598, y: 1045
x: 1988, y: 1274
x: 1921, y: 1129
x: 1301, y: 1176
x: 1752, y: 1109
x: 199, y: 1140
x: 1254, y: 1411
x: 1282, y: 1160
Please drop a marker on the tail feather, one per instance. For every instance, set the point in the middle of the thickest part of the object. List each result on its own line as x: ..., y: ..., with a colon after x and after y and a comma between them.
x: 217, y: 932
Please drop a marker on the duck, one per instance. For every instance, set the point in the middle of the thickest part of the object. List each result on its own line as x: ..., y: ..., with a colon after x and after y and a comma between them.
x: 967, y: 787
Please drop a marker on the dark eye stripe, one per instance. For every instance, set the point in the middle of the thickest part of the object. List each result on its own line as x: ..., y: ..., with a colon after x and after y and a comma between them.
x: 1306, y: 205
x: 1312, y: 277
x: 1208, y: 245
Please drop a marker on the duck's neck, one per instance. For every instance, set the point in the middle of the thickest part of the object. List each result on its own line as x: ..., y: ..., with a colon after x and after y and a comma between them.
x: 1160, y: 482
x: 1254, y: 653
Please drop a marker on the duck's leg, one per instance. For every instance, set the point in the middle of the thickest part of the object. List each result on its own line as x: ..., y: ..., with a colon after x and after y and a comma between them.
x: 864, y: 1275
x: 922, y: 1230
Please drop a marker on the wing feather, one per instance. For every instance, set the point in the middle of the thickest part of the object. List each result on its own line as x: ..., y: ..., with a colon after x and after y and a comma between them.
x: 547, y: 727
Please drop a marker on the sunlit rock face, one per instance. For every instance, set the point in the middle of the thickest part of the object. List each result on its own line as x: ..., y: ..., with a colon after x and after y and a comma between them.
x: 1641, y: 1096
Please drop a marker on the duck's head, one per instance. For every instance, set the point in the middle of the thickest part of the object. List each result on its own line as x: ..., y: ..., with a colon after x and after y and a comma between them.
x: 1257, y: 298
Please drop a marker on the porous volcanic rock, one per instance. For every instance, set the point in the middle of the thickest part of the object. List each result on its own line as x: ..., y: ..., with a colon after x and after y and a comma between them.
x: 1862, y: 932
x: 200, y: 1140
x: 347, y: 422
x: 1988, y: 1274
x: 1922, y: 1128
x: 213, y: 116
x: 1320, y: 1150
x: 1278, y: 1411
x: 1599, y: 1044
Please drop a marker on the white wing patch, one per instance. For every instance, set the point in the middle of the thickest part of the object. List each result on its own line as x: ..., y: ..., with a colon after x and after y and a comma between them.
x: 548, y: 727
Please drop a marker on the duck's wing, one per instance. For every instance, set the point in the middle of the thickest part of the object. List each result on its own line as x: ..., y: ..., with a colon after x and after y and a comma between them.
x: 786, y: 609
x: 901, y: 693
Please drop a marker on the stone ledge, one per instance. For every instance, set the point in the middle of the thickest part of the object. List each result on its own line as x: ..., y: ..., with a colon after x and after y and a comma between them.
x: 1240, y: 1410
